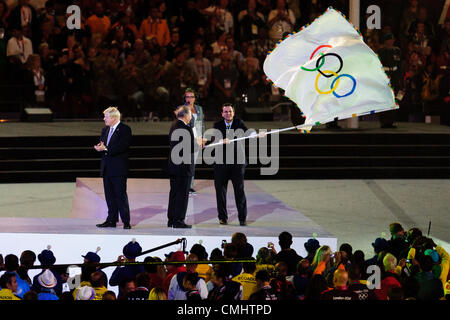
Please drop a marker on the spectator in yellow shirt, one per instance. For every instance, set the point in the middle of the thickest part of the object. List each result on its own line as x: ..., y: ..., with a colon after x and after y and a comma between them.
x: 8, y: 284
x: 204, y: 270
x: 247, y: 279
x: 98, y: 283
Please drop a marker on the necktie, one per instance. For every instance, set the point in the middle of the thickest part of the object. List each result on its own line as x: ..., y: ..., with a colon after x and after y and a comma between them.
x: 111, y: 131
x: 228, y: 127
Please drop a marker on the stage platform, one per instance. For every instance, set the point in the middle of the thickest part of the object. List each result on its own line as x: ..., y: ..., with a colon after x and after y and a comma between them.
x: 71, y: 237
x: 148, y: 198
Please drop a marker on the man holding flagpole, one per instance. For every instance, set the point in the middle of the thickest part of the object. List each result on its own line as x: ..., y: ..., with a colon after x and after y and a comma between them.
x: 230, y: 168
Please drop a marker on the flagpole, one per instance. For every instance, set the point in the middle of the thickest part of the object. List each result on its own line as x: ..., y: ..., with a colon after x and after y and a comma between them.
x: 267, y: 133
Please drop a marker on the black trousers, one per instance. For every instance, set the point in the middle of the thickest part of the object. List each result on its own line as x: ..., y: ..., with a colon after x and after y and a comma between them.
x: 116, y: 198
x: 235, y: 173
x: 178, y: 198
x: 387, y: 118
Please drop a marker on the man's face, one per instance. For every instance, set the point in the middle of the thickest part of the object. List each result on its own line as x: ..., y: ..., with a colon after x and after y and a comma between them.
x: 130, y: 287
x: 188, y: 117
x: 420, y: 28
x: 228, y: 113
x: 17, y: 33
x: 99, y: 8
x: 109, y: 121
x: 130, y: 59
x: 154, y: 13
x: 230, y: 43
x: 305, y: 264
x: 175, y: 37
x: 198, y: 49
x: 281, y: 5
x: 282, y: 269
x: 225, y: 58
x: 217, y: 282
x: 13, y: 285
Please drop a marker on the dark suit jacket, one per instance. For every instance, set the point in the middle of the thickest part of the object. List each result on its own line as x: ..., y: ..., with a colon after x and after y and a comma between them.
x: 183, y: 169
x: 238, y: 146
x: 115, y: 161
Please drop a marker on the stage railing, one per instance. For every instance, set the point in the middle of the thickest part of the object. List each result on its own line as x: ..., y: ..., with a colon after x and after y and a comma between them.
x: 138, y: 263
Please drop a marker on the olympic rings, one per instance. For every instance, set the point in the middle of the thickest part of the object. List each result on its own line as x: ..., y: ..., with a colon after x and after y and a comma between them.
x: 319, y: 47
x: 316, y: 68
x: 328, y: 73
x: 329, y: 54
x: 337, y: 80
x: 335, y: 83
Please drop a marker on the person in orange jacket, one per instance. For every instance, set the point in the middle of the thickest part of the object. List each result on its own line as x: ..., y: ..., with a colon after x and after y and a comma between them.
x: 155, y: 27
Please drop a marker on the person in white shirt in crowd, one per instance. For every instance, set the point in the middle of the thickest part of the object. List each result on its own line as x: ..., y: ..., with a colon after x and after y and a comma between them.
x: 19, y: 46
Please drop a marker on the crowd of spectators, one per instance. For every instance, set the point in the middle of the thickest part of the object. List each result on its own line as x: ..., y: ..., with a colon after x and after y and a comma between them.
x: 413, y: 46
x: 141, y: 54
x: 408, y: 266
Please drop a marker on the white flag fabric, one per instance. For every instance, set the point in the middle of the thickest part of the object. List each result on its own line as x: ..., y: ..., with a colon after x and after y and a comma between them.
x: 329, y: 72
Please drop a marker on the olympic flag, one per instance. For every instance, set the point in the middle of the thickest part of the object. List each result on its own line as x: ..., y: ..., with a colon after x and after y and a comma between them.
x: 329, y: 72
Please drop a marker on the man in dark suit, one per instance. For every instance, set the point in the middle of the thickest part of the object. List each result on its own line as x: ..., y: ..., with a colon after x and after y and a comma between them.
x: 233, y: 169
x: 114, y: 144
x: 180, y: 167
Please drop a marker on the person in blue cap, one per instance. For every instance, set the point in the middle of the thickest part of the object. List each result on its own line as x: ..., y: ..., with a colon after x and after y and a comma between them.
x: 93, y: 257
x: 122, y: 274
x: 311, y: 246
x: 379, y: 245
x: 47, y: 259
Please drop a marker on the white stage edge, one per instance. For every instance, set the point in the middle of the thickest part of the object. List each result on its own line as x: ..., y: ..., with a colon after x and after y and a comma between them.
x: 69, y: 248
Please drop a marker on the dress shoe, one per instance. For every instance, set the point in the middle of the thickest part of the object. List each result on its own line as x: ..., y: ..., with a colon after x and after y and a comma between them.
x: 182, y: 225
x: 192, y: 191
x: 126, y: 226
x: 106, y: 224
x: 170, y: 224
x: 242, y: 223
x: 223, y: 222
